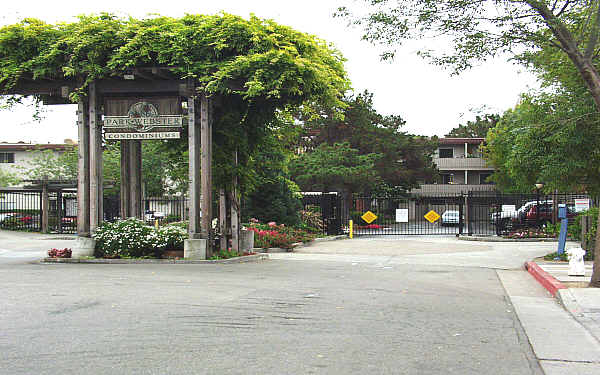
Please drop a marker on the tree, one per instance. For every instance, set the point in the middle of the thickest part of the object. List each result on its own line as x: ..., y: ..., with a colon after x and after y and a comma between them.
x: 475, y: 129
x: 52, y: 165
x: 478, y: 30
x: 403, y: 159
x: 335, y: 167
x: 8, y: 178
x: 547, y: 137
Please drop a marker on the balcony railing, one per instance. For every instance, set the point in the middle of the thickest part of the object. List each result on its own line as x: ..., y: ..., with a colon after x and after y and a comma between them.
x: 461, y: 164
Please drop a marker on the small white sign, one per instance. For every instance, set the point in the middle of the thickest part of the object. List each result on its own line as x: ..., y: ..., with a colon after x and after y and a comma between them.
x: 582, y: 205
x: 402, y: 215
x: 508, y: 207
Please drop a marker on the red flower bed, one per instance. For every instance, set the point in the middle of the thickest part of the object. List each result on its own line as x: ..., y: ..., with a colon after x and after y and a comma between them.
x: 59, y: 253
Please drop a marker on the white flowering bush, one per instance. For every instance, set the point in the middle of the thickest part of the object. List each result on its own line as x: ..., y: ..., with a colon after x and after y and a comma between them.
x: 128, y: 238
x: 173, y: 236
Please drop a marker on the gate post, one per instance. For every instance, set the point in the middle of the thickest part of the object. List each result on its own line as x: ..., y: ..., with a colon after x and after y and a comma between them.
x: 467, y: 213
x: 460, y: 217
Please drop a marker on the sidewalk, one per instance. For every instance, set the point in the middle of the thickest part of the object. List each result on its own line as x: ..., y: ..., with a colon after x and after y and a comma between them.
x: 582, y: 302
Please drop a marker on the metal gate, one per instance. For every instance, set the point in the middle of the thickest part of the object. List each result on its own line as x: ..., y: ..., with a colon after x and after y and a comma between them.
x: 406, y: 215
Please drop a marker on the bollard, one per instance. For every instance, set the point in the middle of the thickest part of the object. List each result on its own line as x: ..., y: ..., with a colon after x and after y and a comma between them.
x: 156, y: 224
x: 351, y: 229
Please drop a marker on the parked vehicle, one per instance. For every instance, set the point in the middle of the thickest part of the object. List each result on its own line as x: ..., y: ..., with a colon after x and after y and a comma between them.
x: 545, y: 213
x: 507, y: 220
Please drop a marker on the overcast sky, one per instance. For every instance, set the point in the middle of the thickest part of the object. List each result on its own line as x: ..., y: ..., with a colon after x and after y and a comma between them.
x: 427, y: 97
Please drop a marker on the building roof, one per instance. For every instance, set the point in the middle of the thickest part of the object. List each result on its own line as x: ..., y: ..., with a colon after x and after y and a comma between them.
x: 461, y: 141
x: 32, y: 146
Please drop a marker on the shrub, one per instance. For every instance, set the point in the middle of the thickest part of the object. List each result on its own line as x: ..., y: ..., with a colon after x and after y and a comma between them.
x: 311, y: 221
x: 275, y: 199
x: 128, y: 238
x: 173, y: 236
x: 273, y: 235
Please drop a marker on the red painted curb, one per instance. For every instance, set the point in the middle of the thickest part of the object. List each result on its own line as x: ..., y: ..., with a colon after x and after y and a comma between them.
x: 548, y: 281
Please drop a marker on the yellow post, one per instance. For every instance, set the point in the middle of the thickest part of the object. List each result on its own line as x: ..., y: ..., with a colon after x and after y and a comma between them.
x: 156, y: 224
x: 351, y: 229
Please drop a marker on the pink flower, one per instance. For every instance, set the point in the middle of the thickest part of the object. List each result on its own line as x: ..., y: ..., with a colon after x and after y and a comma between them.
x: 272, y: 224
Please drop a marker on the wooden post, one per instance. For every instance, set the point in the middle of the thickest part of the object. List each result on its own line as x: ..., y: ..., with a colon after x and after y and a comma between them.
x: 83, y: 171
x: 95, y: 161
x: 206, y: 178
x: 223, y: 218
x: 235, y: 210
x: 194, y: 168
x: 45, y: 205
x: 125, y: 211
x: 135, y: 176
x: 59, y: 210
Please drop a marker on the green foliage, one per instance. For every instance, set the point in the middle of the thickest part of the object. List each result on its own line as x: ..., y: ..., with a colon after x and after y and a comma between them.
x: 8, y: 178
x: 591, y: 234
x: 277, y: 200
x: 173, y: 236
x: 475, y: 129
x: 473, y: 31
x: 402, y: 160
x: 335, y: 167
x: 552, y: 138
x: 128, y: 238
x: 267, y: 60
x: 311, y: 221
x: 61, y: 165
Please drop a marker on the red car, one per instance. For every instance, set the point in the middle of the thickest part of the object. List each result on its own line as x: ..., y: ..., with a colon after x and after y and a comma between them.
x: 546, y: 212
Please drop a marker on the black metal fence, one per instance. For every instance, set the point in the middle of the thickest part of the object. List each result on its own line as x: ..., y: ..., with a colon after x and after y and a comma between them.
x: 166, y: 210
x: 475, y: 213
x: 330, y: 207
x: 505, y: 214
x: 20, y: 210
x: 408, y: 215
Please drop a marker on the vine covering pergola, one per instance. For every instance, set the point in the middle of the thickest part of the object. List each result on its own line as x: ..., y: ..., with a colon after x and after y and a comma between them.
x: 225, y: 75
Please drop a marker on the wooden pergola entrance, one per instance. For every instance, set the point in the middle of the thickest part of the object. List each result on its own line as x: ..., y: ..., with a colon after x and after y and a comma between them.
x: 142, y: 83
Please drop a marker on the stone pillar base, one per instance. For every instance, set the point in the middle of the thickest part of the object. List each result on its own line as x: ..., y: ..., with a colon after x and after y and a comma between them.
x: 194, y: 249
x: 84, y: 247
x: 246, y: 241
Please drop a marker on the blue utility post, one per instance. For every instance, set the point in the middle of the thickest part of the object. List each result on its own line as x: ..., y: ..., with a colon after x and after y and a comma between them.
x: 564, y: 222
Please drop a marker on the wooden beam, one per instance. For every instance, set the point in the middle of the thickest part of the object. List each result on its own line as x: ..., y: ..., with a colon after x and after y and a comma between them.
x: 135, y: 179
x: 206, y: 160
x: 125, y: 192
x: 194, y: 169
x: 83, y: 171
x: 223, y: 219
x: 95, y: 159
x: 235, y: 209
x: 45, y: 207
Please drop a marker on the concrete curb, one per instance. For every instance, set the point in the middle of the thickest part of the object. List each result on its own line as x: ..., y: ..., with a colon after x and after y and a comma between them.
x: 501, y: 239
x: 548, y: 281
x: 569, y: 302
x: 244, y: 259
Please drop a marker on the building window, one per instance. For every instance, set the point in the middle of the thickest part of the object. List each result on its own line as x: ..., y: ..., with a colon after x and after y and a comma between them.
x: 7, y: 157
x: 483, y: 179
x: 446, y: 153
x: 447, y: 178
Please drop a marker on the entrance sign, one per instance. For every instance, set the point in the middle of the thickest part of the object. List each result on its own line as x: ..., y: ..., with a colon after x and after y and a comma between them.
x: 402, y: 215
x: 432, y: 216
x: 142, y: 118
x: 369, y: 217
x: 582, y: 205
x: 141, y: 136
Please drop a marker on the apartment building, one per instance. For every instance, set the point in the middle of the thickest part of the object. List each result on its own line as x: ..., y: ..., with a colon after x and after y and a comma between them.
x: 462, y: 167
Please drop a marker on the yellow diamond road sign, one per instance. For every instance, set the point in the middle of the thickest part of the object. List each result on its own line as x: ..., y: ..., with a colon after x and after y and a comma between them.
x: 369, y: 217
x: 432, y: 216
